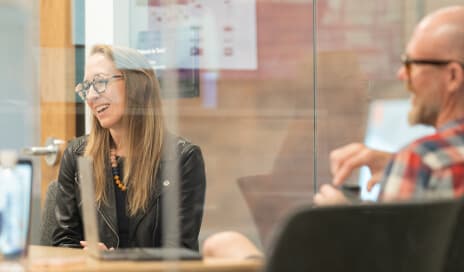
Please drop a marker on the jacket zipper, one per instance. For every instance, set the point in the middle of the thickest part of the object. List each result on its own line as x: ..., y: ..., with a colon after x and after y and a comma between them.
x: 111, y: 228
x: 76, y: 179
x: 156, y: 222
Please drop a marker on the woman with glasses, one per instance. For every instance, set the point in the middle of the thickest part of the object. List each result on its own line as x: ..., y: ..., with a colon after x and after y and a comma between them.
x: 134, y: 159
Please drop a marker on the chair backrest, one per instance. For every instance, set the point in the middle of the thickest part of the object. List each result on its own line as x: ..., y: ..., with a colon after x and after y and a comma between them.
x: 378, y: 237
x: 48, y: 215
x: 454, y: 260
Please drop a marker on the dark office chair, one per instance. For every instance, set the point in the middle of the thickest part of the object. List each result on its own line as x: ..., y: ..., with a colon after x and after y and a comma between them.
x: 454, y: 261
x: 48, y: 215
x: 375, y: 238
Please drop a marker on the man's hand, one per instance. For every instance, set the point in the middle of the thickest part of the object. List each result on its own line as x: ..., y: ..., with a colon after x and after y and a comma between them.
x: 346, y: 159
x: 328, y: 195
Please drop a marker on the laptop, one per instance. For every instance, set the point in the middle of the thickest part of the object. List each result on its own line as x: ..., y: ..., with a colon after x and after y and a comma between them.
x: 15, y: 242
x: 89, y: 211
x: 412, y: 236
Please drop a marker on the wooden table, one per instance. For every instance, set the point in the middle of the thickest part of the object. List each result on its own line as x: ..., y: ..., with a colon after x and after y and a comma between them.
x: 43, y: 258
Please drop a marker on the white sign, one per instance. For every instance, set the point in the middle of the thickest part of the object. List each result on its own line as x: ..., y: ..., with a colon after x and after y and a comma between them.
x: 210, y: 34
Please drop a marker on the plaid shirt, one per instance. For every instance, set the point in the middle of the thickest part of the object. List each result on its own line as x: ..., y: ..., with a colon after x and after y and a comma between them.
x: 432, y: 166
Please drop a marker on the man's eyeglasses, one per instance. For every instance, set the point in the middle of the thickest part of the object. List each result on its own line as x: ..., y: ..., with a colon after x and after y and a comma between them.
x: 99, y: 84
x: 407, y: 62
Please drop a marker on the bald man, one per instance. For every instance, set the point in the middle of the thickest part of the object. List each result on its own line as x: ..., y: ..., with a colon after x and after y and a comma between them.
x: 432, y: 166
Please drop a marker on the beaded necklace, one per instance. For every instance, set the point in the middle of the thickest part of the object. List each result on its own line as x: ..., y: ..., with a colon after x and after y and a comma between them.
x: 115, y: 171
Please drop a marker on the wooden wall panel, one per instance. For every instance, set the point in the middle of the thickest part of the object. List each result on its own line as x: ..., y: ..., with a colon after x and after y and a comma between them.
x: 56, y: 78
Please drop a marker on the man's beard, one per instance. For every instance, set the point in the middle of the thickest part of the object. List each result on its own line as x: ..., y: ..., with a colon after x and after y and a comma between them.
x: 424, y: 114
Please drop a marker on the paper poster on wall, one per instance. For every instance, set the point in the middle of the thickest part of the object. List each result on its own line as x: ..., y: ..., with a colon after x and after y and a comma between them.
x: 207, y: 34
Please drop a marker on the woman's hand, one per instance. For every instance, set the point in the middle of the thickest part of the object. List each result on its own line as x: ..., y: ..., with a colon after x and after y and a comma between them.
x: 101, y: 246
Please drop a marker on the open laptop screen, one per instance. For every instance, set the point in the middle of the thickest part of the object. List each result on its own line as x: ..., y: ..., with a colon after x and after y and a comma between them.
x: 16, y: 209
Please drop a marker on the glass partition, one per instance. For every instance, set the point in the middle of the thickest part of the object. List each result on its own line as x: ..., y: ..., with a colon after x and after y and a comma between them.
x: 359, y: 98
x: 358, y: 49
x: 19, y: 98
x: 265, y: 88
x: 244, y: 78
x: 19, y: 113
x: 268, y: 88
x: 237, y: 80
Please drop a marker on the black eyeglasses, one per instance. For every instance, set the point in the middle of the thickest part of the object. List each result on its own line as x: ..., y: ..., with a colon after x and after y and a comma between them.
x: 408, y: 61
x: 99, y: 84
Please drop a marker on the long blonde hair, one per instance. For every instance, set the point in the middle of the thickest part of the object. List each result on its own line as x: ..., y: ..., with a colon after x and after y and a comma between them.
x: 144, y: 122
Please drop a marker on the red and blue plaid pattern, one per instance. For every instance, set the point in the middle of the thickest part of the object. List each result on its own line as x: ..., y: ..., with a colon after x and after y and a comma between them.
x: 432, y: 166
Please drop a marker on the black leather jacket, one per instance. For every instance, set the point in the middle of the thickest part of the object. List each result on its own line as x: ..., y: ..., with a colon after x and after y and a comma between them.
x: 145, y: 229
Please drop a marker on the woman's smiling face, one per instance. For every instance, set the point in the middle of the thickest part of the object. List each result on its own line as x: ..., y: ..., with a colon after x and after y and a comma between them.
x: 107, y: 106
